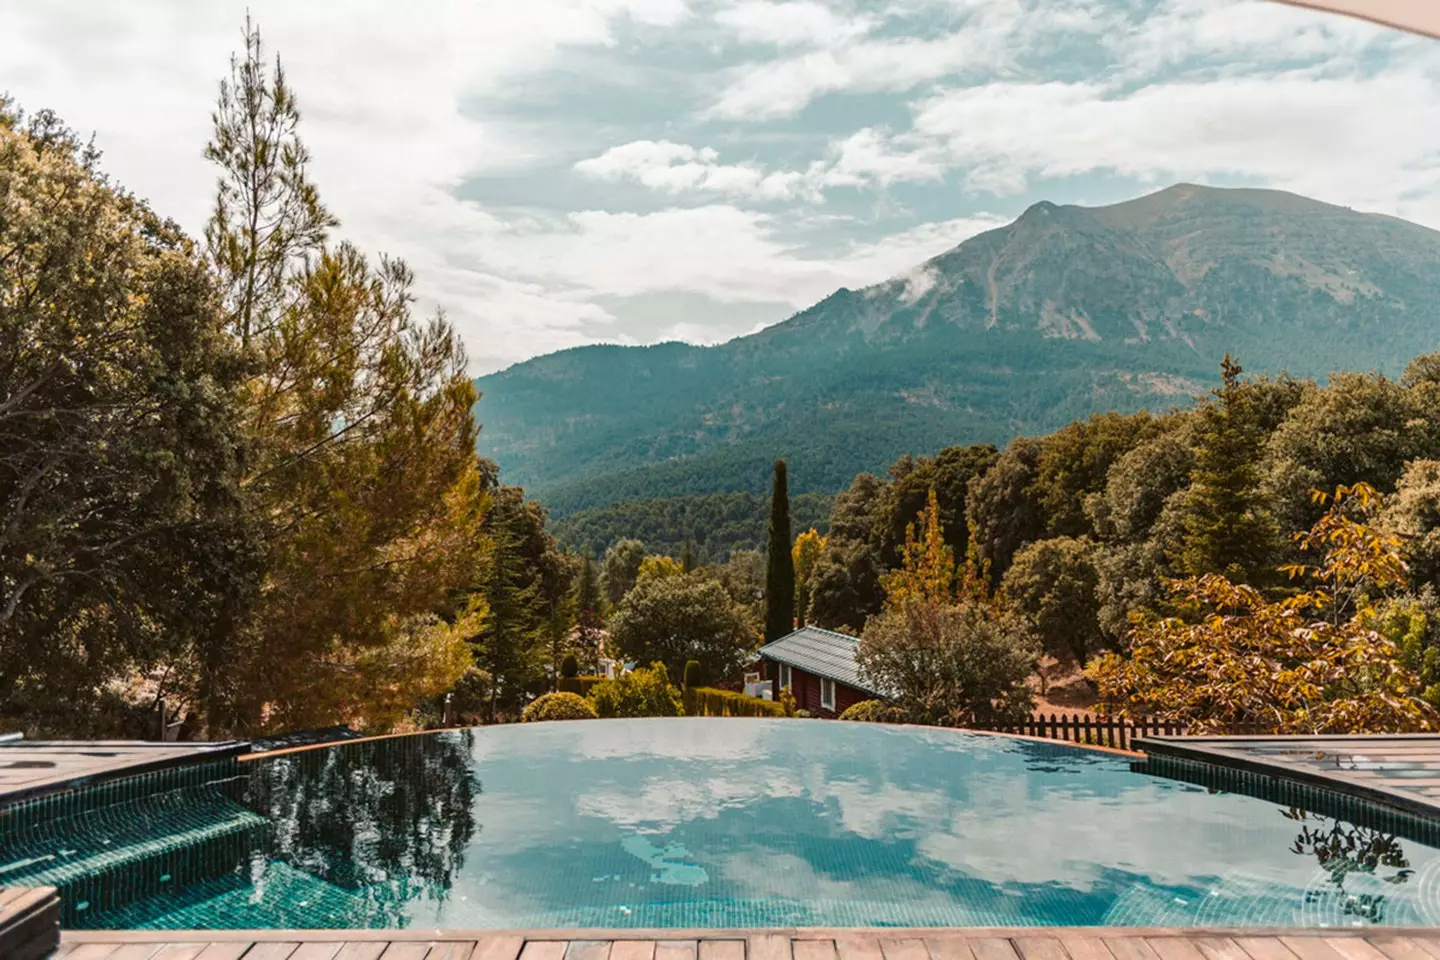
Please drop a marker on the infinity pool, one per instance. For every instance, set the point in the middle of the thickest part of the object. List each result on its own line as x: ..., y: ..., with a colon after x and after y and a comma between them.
x: 760, y: 823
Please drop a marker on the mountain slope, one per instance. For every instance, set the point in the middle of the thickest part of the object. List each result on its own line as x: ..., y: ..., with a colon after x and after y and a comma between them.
x: 1067, y: 311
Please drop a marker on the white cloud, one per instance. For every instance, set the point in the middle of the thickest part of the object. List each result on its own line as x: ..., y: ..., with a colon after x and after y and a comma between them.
x: 801, y: 23
x: 676, y: 168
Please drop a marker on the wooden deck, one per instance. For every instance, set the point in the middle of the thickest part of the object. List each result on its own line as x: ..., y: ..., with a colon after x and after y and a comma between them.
x: 889, y: 944
x: 1399, y: 770
x: 30, y: 768
x: 29, y: 922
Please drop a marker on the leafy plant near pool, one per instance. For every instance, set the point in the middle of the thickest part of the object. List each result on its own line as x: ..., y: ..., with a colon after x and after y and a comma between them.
x: 1314, y: 662
x: 559, y: 706
x: 645, y: 692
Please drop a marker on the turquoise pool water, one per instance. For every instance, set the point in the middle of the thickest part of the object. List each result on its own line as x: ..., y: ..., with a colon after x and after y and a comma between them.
x: 748, y: 823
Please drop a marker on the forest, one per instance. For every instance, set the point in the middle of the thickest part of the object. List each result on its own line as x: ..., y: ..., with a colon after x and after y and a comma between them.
x: 239, y: 484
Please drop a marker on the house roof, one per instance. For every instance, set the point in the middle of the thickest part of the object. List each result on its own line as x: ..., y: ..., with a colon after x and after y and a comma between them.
x: 824, y: 653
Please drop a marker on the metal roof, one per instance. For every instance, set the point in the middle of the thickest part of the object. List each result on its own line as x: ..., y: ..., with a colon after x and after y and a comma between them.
x: 824, y: 653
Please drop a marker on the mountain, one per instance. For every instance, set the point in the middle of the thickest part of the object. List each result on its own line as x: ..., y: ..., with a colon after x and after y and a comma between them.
x: 1067, y: 311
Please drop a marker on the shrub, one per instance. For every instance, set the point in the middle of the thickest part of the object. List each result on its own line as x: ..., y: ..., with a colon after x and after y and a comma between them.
x: 787, y: 703
x: 871, y: 711
x: 578, y: 685
x: 678, y: 619
x: 692, y: 675
x: 709, y: 702
x: 569, y: 667
x: 559, y: 706
x: 640, y: 693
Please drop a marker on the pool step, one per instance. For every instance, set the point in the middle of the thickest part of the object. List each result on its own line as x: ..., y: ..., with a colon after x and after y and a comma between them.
x: 103, y: 858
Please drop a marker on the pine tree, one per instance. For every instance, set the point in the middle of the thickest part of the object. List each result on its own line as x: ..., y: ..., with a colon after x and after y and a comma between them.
x: 687, y: 558
x: 589, y: 615
x: 1226, y: 528
x: 780, y: 568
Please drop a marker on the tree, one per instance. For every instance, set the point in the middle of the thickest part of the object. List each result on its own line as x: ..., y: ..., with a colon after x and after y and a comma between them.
x: 1074, y: 461
x: 743, y: 577
x: 1311, y: 663
x: 780, y: 568
x: 589, y: 612
x: 950, y: 665
x: 621, y: 567
x: 1138, y: 484
x: 1055, y: 582
x: 1002, y: 508
x: 123, y: 545
x: 510, y: 647
x: 1413, y: 514
x: 1227, y: 529
x: 805, y: 555
x: 847, y: 588
x: 687, y: 558
x: 927, y: 565
x: 654, y: 567
x: 948, y: 475
x: 675, y: 619
x: 361, y: 470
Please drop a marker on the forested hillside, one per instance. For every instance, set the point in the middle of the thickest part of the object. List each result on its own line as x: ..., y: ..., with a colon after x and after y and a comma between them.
x: 1066, y: 312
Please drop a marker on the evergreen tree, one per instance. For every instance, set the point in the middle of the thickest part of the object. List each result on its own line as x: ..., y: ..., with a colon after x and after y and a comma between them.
x: 687, y: 558
x: 780, y: 569
x: 589, y: 612
x: 805, y: 555
x: 1226, y: 528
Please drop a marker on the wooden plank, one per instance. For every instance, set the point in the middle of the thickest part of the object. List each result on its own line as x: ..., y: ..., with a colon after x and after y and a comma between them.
x: 1040, y: 948
x: 856, y: 947
x: 1220, y: 948
x: 417, y: 950
x: 1311, y: 948
x: 224, y: 951
x: 766, y: 946
x: 1399, y: 948
x: 282, y: 950
x: 813, y: 949
x: 992, y: 948
x: 1174, y: 948
x: 92, y: 951
x: 369, y: 950
x: 1130, y: 948
x: 1087, y: 948
x: 728, y: 950
x: 1354, y: 948
x: 543, y: 950
x: 178, y: 951
x: 632, y: 950
x: 317, y: 950
x: 588, y: 950
x: 1264, y: 948
x: 676, y: 949
x: 903, y: 948
x: 498, y: 948
x: 133, y: 951
x: 948, y: 948
x: 463, y: 950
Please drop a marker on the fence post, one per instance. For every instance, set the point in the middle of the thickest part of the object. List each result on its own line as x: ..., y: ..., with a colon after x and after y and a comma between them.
x: 1086, y: 728
x: 447, y: 716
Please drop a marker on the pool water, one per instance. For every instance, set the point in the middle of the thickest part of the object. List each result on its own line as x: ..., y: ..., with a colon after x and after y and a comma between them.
x: 770, y: 823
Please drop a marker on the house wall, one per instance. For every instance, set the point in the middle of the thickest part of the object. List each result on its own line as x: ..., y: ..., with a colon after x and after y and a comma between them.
x: 806, y: 688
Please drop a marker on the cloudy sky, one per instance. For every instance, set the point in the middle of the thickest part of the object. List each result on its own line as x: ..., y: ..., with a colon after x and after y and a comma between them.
x: 562, y: 172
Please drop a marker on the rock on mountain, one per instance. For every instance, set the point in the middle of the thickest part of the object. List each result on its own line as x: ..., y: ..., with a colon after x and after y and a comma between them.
x: 1067, y: 311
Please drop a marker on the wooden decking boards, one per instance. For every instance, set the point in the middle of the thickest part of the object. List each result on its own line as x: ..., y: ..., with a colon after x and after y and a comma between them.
x: 1040, y: 943
x: 29, y: 922
x: 1398, y: 770
x: 33, y: 767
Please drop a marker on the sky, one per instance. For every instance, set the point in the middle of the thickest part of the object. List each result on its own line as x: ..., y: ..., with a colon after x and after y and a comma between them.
x: 567, y: 172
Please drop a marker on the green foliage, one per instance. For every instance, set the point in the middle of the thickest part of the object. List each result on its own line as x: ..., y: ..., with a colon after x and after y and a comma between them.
x: 570, y: 666
x: 1413, y: 514
x: 1075, y: 461
x: 953, y: 664
x: 124, y: 546
x: 787, y: 703
x: 1227, y: 528
x: 872, y: 711
x: 652, y: 568
x: 805, y: 556
x: 780, y: 566
x: 621, y: 568
x: 559, y: 706
x: 678, y: 619
x: 644, y: 692
x: 1002, y: 507
x: 715, y: 526
x: 581, y: 685
x: 1055, y: 583
x: 693, y: 674
x: 710, y: 702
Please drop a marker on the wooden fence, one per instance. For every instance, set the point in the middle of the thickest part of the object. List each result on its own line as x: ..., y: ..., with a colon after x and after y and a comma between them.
x: 1099, y: 731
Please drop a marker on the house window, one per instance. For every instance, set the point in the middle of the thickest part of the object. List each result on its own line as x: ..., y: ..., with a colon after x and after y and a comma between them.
x: 784, y: 675
x: 827, y: 693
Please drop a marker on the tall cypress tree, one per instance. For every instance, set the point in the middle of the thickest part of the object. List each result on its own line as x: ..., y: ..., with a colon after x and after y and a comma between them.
x: 780, y: 568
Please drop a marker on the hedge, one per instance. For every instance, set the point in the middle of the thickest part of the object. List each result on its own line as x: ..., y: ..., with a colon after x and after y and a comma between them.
x: 580, y: 685
x: 709, y: 702
x: 558, y: 706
